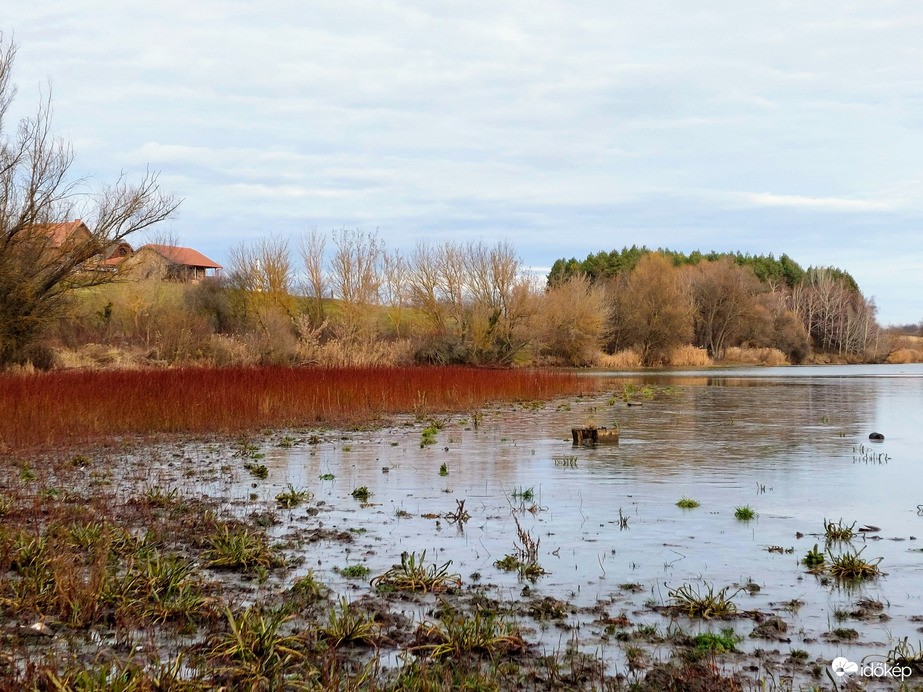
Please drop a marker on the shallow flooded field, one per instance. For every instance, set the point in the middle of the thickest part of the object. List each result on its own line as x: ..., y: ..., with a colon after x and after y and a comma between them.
x: 597, y: 550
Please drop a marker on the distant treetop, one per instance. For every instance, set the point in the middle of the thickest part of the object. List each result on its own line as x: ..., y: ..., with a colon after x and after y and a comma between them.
x: 766, y: 267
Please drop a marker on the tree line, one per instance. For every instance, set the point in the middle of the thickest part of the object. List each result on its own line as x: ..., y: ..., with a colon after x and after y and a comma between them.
x: 660, y: 299
x: 344, y: 297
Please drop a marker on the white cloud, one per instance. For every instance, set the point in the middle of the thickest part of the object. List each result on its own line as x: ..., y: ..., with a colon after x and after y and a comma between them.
x: 766, y: 199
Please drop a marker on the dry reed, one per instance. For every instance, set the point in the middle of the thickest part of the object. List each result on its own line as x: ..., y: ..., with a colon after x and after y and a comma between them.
x: 689, y: 357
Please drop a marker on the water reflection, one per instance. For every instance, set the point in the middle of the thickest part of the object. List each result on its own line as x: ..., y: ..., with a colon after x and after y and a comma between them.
x: 790, y: 443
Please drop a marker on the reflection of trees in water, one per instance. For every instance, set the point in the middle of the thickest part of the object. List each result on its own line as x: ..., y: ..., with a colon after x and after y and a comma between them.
x: 713, y: 420
x: 706, y: 422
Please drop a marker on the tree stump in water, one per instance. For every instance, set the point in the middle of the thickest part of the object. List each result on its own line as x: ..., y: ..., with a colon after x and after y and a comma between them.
x: 592, y: 435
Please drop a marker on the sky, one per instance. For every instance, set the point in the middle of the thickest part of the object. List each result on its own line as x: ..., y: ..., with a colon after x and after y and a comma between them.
x: 564, y: 127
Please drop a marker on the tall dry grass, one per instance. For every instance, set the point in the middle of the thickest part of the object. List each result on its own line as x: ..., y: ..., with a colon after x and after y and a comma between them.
x: 905, y: 355
x: 755, y: 356
x: 689, y: 357
x: 48, y: 409
x: 627, y: 359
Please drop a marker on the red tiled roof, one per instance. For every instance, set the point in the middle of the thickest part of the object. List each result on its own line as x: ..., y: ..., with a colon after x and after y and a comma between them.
x: 184, y: 255
x: 58, y: 233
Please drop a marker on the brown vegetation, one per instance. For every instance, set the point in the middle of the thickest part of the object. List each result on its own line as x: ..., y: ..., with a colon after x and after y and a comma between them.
x: 82, y: 406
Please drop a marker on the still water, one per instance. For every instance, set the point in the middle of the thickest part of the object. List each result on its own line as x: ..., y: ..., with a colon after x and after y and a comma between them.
x: 791, y: 443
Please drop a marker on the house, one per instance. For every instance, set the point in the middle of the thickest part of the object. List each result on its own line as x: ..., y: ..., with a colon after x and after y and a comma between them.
x: 165, y: 262
x: 70, y: 235
x: 169, y: 262
x: 65, y: 235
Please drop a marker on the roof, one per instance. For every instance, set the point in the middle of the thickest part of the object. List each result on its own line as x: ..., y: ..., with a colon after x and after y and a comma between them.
x: 59, y: 233
x: 183, y: 255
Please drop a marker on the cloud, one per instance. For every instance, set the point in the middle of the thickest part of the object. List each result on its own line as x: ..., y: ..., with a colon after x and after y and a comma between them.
x: 766, y: 199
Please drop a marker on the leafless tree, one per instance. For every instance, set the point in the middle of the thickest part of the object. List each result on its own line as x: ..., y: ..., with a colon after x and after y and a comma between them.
x: 652, y: 310
x: 394, y: 273
x: 423, y: 285
x: 724, y: 295
x: 312, y: 247
x: 355, y: 269
x: 38, y: 273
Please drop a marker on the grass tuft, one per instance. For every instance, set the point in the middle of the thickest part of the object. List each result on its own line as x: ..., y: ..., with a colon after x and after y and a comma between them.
x: 745, y: 513
x: 838, y: 531
x: 705, y: 602
x: 239, y: 548
x: 851, y: 566
x: 292, y: 498
x: 413, y: 575
x: 455, y: 635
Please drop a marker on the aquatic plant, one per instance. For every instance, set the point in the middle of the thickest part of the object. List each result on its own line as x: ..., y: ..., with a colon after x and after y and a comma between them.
x: 253, y: 653
x: 155, y: 496
x: 508, y: 563
x: 307, y: 589
x: 286, y: 442
x: 355, y: 571
x: 905, y: 655
x: 292, y: 497
x: 443, y: 470
x: 524, y: 494
x: 838, y: 531
x: 414, y: 575
x: 704, y: 602
x: 260, y: 471
x: 723, y: 642
x: 455, y: 635
x: 687, y: 503
x: 548, y: 608
x: 362, y: 493
x: 851, y: 566
x: 744, y: 513
x: 347, y: 625
x: 813, y: 558
x: 239, y: 548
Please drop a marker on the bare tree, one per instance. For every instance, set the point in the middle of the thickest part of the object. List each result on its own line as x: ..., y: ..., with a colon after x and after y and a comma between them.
x: 572, y: 319
x: 653, y: 310
x: 423, y: 285
x: 356, y: 275
x: 263, y: 270
x: 724, y: 295
x: 312, y: 247
x: 39, y: 271
x: 394, y: 273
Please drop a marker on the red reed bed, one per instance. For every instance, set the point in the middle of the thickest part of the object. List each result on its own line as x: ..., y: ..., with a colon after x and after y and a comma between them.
x: 43, y: 410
